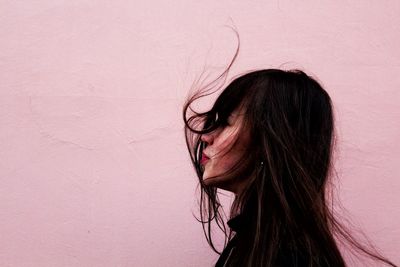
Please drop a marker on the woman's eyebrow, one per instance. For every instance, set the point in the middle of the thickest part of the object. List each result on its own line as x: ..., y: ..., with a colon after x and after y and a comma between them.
x: 232, y: 115
x: 236, y: 114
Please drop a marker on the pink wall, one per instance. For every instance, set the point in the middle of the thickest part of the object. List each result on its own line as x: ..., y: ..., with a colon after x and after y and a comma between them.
x: 94, y: 169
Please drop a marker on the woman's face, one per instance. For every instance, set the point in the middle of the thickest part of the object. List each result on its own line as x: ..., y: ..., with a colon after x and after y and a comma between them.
x: 218, y: 143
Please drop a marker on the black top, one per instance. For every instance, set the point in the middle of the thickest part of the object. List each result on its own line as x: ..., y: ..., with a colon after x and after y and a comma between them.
x: 238, y: 224
x: 235, y: 224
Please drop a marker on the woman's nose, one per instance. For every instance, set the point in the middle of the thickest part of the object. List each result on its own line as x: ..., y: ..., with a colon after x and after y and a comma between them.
x: 207, y: 138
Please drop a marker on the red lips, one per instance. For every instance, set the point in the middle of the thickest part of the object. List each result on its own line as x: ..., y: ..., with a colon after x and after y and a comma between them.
x: 204, y: 158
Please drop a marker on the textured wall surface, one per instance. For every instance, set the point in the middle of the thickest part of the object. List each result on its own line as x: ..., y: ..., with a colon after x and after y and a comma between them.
x: 94, y: 170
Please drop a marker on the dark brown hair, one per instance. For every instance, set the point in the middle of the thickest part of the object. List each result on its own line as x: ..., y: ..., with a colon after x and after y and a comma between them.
x: 291, y: 121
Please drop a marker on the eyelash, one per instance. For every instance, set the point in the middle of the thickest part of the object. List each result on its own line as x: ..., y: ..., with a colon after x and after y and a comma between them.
x: 222, y: 122
x: 225, y: 123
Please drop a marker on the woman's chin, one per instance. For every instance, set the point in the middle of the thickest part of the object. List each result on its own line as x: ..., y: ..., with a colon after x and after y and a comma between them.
x: 207, y: 181
x: 211, y: 181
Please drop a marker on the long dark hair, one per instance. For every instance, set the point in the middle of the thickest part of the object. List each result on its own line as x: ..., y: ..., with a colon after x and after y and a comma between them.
x: 291, y: 121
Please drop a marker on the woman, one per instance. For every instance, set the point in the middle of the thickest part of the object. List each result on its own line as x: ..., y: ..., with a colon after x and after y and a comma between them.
x: 269, y: 139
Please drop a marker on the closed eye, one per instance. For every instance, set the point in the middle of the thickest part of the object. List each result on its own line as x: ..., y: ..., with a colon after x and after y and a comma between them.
x: 225, y: 122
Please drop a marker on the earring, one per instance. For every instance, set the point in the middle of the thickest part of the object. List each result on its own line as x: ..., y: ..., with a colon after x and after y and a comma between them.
x: 262, y: 163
